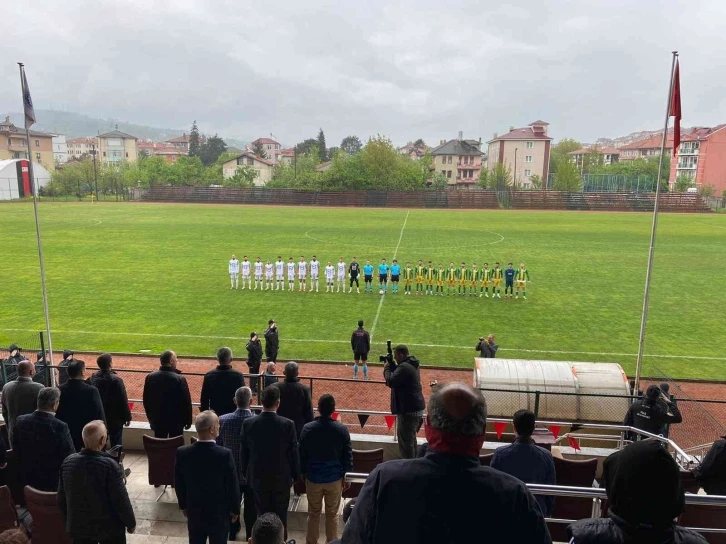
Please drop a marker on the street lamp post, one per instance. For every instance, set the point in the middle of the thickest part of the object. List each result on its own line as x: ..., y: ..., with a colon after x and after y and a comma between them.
x: 95, y: 176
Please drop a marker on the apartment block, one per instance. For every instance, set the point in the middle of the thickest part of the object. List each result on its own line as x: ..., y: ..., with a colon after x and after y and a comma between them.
x: 702, y: 157
x: 525, y: 151
x: 14, y: 145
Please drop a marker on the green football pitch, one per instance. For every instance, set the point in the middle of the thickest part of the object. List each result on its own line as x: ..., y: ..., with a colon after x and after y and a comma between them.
x: 131, y: 277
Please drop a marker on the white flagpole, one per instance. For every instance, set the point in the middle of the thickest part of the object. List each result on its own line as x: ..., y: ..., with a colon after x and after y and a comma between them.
x: 34, y: 190
x: 646, y: 296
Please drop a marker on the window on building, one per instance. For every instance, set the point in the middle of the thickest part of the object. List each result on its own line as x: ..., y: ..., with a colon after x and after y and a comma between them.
x: 443, y: 160
x: 37, y: 143
x: 127, y: 155
x: 528, y: 173
x: 23, y: 142
x: 37, y: 157
x: 250, y: 162
x: 528, y: 158
x: 16, y: 154
x: 530, y: 145
x: 448, y: 174
x: 449, y: 159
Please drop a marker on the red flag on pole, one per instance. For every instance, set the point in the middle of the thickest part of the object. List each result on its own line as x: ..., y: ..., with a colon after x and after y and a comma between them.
x: 389, y: 421
x: 573, y: 443
x: 675, y: 111
x: 555, y: 430
x: 499, y: 426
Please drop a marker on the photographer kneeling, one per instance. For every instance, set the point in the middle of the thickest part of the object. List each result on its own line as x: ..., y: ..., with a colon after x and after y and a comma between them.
x: 487, y: 347
x: 401, y: 373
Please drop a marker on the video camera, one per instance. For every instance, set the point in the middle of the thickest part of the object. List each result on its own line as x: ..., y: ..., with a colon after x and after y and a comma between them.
x: 388, y: 358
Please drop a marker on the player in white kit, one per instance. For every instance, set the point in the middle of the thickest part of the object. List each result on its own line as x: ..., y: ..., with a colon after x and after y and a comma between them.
x: 291, y: 274
x: 280, y: 273
x: 268, y: 275
x: 302, y: 274
x: 233, y: 273
x: 314, y: 272
x: 329, y: 277
x: 258, y: 273
x: 246, y: 273
x: 341, y: 274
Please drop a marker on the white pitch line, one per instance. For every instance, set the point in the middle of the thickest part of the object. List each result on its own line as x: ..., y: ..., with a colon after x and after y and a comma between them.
x: 395, y: 253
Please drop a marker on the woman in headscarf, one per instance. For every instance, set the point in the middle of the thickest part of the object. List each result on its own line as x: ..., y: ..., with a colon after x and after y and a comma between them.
x: 643, y: 485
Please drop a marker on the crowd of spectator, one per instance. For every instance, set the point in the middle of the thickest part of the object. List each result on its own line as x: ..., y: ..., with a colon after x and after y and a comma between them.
x: 64, y: 439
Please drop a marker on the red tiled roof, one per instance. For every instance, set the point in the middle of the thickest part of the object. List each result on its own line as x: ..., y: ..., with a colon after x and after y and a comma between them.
x: 526, y: 133
x: 539, y: 123
x: 287, y: 152
x: 654, y: 142
x: 251, y: 155
x: 603, y: 150
x: 265, y: 141
x: 179, y: 139
x: 168, y: 150
x: 82, y: 141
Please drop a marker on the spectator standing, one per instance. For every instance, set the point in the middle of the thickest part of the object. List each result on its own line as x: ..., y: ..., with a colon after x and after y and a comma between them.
x: 63, y: 366
x: 487, y: 347
x: 436, y: 498
x: 220, y: 384
x: 647, y: 415
x: 230, y: 436
x: 269, y: 456
x: 80, y: 403
x: 42, y: 442
x: 360, y: 342
x: 92, y: 494
x: 272, y: 341
x: 296, y: 402
x: 270, y: 377
x: 20, y: 397
x: 206, y: 484
x: 643, y: 485
x: 407, y: 401
x: 325, y: 456
x: 41, y: 369
x: 254, y: 359
x: 10, y: 365
x: 525, y: 460
x: 711, y: 473
x: 268, y: 529
x: 115, y: 401
x: 167, y: 402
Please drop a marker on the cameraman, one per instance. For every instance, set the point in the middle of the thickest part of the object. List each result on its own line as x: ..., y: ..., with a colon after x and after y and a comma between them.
x: 487, y: 347
x: 401, y: 373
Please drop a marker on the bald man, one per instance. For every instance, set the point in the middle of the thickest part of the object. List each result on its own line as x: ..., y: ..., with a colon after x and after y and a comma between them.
x: 20, y: 396
x: 91, y: 493
x: 436, y: 498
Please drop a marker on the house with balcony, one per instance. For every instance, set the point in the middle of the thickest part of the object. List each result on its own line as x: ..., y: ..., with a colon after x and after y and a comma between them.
x: 272, y: 148
x: 524, y: 151
x: 603, y: 155
x: 263, y: 168
x: 14, y: 145
x: 702, y: 157
x: 459, y: 161
x: 645, y: 149
x: 116, y: 147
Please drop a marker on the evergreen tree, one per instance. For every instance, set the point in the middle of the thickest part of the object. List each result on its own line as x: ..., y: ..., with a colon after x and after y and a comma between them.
x: 211, y: 150
x: 194, y: 145
x: 322, y: 149
x: 259, y: 150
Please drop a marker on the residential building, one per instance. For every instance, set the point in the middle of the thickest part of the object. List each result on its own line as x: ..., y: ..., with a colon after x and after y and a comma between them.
x: 413, y: 152
x: 79, y: 147
x: 60, y: 149
x: 272, y: 148
x: 159, y: 149
x: 181, y: 142
x: 115, y: 147
x: 458, y: 160
x: 287, y: 156
x: 646, y: 148
x: 264, y: 168
x: 702, y: 157
x: 525, y: 151
x: 14, y: 145
x: 609, y: 155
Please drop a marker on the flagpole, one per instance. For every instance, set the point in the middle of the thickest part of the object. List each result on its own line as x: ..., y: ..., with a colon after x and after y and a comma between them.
x: 649, y: 272
x: 33, y: 189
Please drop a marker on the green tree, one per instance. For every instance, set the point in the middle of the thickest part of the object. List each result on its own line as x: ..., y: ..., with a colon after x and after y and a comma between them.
x: 306, y: 146
x: 682, y: 183
x: 75, y: 178
x: 568, y: 178
x: 484, y: 176
x: 351, y: 145
x: 194, y: 142
x: 244, y: 176
x: 536, y: 181
x: 591, y: 160
x: 322, y: 149
x: 500, y: 177
x: 211, y: 150
x: 419, y: 144
x: 259, y: 150
x: 142, y: 154
x: 560, y: 152
x: 706, y: 190
x: 439, y: 181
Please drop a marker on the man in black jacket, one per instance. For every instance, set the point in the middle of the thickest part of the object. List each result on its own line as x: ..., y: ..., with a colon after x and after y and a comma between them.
x: 407, y: 401
x: 360, y: 342
x: 325, y: 456
x: 113, y: 397
x: 272, y: 341
x: 167, y: 402
x: 10, y: 365
x: 269, y: 456
x: 647, y: 415
x: 270, y: 376
x: 80, y: 403
x: 296, y: 402
x: 436, y: 498
x: 41, y: 443
x: 711, y: 473
x: 91, y: 492
x: 63, y: 366
x: 220, y: 384
x: 206, y: 484
x: 254, y: 359
x: 487, y: 347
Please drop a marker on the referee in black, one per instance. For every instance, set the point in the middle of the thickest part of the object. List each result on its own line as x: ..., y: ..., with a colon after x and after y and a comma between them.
x: 354, y: 271
x: 360, y: 341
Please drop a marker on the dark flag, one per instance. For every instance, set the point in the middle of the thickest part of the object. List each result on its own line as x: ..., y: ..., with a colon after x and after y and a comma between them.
x: 675, y: 110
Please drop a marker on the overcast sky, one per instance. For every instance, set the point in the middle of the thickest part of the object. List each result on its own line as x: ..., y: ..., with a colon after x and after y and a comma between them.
x: 425, y: 69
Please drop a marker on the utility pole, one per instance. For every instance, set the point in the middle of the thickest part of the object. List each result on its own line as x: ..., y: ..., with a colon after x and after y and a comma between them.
x: 95, y: 175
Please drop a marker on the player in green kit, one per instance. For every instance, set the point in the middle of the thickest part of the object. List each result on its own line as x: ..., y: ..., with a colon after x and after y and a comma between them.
x: 440, y: 278
x: 462, y: 277
x: 407, y: 279
x: 451, y: 278
x: 497, y: 275
x: 429, y: 275
x: 484, y: 277
x: 473, y: 279
x: 521, y: 277
x: 420, y: 270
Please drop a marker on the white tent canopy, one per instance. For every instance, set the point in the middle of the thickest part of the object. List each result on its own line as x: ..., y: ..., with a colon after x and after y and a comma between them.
x: 9, y: 178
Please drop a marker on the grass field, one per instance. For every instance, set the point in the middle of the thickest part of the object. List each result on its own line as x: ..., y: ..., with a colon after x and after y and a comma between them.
x: 128, y: 277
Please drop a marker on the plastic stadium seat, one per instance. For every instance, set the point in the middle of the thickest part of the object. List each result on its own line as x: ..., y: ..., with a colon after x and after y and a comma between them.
x: 48, y: 524
x: 573, y: 474
x: 706, y: 516
x: 161, y: 454
x: 8, y: 515
x: 364, y: 461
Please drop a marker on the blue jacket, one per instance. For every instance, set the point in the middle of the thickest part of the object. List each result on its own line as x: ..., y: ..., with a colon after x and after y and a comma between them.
x: 325, y: 451
x: 529, y: 464
x: 230, y: 436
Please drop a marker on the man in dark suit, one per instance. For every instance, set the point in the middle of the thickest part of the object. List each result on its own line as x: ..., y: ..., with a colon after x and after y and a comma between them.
x: 113, y: 397
x: 220, y: 384
x: 167, y: 402
x: 92, y: 495
x: 42, y: 442
x: 206, y: 484
x: 80, y: 403
x: 269, y: 456
x: 296, y: 403
x: 254, y: 359
x: 270, y: 376
x: 20, y: 396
